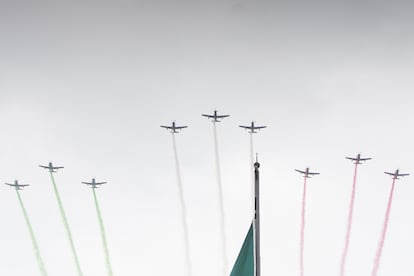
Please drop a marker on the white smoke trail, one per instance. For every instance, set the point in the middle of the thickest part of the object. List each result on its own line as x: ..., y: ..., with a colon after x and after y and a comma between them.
x: 252, y: 171
x: 221, y: 203
x: 183, y: 210
x: 302, y: 228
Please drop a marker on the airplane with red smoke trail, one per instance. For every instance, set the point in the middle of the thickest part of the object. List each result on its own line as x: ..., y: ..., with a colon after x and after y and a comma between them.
x: 215, y: 116
x: 358, y: 159
x: 396, y: 174
x: 307, y: 173
x: 174, y: 127
x: 253, y: 128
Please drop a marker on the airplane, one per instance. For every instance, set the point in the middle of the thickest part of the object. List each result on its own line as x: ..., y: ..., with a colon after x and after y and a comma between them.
x: 215, y: 117
x: 307, y: 173
x: 17, y: 185
x: 358, y: 159
x: 174, y: 128
x: 252, y: 127
x: 50, y: 167
x: 397, y: 174
x: 94, y: 184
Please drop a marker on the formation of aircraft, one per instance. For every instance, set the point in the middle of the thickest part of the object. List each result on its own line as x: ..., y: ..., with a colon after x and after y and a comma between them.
x: 396, y: 174
x: 94, y: 184
x: 252, y: 128
x: 215, y: 116
x: 358, y: 159
x: 306, y: 173
x: 16, y: 185
x: 174, y: 127
x: 50, y: 167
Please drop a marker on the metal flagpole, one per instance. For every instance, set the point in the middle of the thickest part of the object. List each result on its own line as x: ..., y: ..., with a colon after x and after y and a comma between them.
x: 256, y: 218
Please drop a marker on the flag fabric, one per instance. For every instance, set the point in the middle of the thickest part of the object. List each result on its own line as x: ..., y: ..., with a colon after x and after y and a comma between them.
x: 244, y: 265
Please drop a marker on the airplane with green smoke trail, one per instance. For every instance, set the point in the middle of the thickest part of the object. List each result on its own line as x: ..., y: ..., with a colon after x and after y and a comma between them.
x: 94, y: 185
x: 52, y: 169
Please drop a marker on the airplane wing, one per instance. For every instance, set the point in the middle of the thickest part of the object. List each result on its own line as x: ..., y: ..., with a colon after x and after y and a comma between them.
x: 11, y: 185
x: 45, y: 167
x: 167, y: 127
x: 222, y: 116
x: 206, y: 115
x: 23, y: 185
x: 87, y: 183
x: 365, y: 159
x: 100, y: 183
x: 300, y: 171
x: 350, y: 158
x: 180, y: 127
x: 313, y: 173
x: 403, y: 174
x: 56, y: 168
x: 259, y: 127
x: 246, y: 127
x: 393, y: 174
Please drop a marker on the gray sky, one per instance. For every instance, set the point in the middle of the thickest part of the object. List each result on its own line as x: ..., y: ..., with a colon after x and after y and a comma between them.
x: 87, y: 85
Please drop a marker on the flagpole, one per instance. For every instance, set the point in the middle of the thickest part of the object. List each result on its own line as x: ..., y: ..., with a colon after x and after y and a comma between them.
x: 257, y: 218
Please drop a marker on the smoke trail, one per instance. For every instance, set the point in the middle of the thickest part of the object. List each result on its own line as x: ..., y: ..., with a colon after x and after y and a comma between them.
x: 222, y: 213
x: 103, y: 235
x: 66, y: 224
x: 252, y: 171
x: 33, y: 238
x: 302, y: 228
x: 349, y: 226
x: 183, y: 210
x: 384, y: 231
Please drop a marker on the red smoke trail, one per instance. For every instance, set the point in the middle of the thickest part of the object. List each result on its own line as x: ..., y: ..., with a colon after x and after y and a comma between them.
x: 350, y: 215
x: 384, y: 231
x: 302, y: 229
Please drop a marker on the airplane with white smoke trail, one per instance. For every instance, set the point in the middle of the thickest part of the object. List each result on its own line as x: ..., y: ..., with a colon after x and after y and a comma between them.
x: 174, y: 127
x: 253, y: 128
x: 215, y: 116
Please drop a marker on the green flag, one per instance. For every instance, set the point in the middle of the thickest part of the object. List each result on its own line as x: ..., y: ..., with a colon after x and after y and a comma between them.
x: 244, y: 265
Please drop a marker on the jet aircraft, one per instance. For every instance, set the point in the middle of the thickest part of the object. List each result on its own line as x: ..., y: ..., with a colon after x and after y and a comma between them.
x: 174, y: 128
x: 358, y: 159
x: 94, y: 184
x: 252, y: 127
x: 16, y: 185
x: 50, y: 167
x: 396, y: 174
x: 215, y: 116
x: 307, y: 173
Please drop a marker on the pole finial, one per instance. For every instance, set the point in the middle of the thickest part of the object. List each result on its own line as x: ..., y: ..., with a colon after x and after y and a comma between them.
x: 257, y: 164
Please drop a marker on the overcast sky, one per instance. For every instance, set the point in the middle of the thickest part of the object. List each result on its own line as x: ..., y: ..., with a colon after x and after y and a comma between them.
x: 86, y: 84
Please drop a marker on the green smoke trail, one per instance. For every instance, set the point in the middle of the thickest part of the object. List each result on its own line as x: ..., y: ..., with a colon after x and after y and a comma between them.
x: 66, y: 224
x: 33, y: 238
x: 103, y: 235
